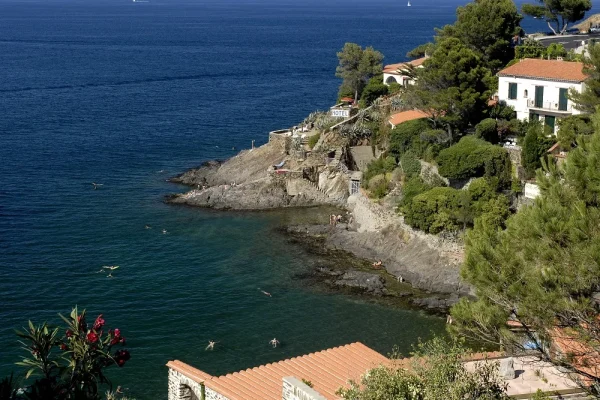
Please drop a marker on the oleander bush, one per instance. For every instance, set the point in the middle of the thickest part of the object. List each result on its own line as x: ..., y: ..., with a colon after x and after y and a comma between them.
x: 66, y: 363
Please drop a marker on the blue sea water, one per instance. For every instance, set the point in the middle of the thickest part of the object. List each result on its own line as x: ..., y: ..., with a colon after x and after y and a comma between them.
x: 127, y: 94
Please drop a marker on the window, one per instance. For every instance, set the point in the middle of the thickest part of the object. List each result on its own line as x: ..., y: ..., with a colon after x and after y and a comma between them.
x: 539, y: 96
x: 550, y: 121
x: 534, y: 117
x: 525, y: 93
x: 562, y: 99
x: 512, y: 91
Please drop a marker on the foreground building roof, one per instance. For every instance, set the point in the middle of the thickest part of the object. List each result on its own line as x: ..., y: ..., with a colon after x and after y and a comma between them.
x: 554, y: 70
x: 327, y: 370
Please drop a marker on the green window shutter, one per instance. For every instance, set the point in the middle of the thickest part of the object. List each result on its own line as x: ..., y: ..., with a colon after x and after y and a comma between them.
x: 539, y: 96
x: 562, y: 99
x: 550, y: 121
x: 512, y: 91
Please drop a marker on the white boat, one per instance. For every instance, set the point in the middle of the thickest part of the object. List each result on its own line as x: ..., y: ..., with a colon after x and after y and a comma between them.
x: 408, y: 5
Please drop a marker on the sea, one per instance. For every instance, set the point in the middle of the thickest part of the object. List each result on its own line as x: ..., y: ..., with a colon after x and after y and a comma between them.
x: 127, y: 94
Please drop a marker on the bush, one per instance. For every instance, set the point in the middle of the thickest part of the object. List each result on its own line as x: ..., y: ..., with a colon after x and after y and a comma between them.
x: 406, y: 136
x: 410, y: 164
x: 435, y: 210
x: 379, y: 166
x: 411, y: 188
x: 78, y: 371
x: 535, y: 146
x: 473, y: 157
x: 312, y: 141
x: 394, y: 88
x: 374, y: 89
x: 487, y: 130
x: 571, y: 128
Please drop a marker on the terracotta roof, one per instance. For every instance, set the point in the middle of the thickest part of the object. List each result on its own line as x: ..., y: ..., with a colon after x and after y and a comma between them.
x: 394, y: 68
x: 328, y: 370
x: 584, y: 357
x: 398, y: 118
x: 546, y: 69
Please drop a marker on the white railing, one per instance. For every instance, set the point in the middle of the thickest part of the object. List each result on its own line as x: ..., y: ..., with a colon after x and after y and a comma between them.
x: 547, y: 105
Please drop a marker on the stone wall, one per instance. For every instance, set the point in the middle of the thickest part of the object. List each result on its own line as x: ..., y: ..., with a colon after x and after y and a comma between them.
x: 295, y: 389
x: 183, y: 388
x: 212, y: 395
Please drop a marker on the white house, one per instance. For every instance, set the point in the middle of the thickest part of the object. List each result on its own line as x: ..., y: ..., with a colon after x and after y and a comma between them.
x: 396, y: 73
x: 538, y: 88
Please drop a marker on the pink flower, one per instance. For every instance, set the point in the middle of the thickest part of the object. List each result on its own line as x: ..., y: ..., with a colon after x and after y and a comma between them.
x: 99, y: 323
x: 117, y: 332
x: 69, y: 333
x: 92, y: 337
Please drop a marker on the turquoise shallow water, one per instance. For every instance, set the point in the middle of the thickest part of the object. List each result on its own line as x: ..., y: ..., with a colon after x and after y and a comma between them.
x: 113, y: 93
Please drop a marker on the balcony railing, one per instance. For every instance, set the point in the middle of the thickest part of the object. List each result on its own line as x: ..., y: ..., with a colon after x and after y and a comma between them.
x: 548, y: 105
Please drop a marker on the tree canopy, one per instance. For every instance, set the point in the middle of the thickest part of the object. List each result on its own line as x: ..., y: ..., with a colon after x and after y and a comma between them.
x: 543, y: 270
x: 357, y: 66
x: 454, y: 86
x: 488, y: 28
x: 558, y: 13
x: 589, y: 99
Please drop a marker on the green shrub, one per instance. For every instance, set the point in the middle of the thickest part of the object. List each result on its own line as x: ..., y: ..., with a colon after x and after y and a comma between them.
x: 487, y: 130
x: 435, y: 136
x: 571, y: 128
x: 411, y: 188
x: 394, y: 88
x: 535, y: 146
x: 379, y: 166
x: 406, y: 136
x: 448, y: 209
x: 381, y: 189
x: 503, y: 112
x: 410, y: 164
x: 312, y: 141
x: 473, y: 157
x: 434, y: 210
x: 374, y: 89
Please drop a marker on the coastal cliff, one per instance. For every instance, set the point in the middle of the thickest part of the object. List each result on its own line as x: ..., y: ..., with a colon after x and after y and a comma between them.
x: 249, y: 181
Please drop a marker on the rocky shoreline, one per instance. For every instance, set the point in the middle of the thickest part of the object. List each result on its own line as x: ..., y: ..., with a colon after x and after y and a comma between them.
x: 421, y: 270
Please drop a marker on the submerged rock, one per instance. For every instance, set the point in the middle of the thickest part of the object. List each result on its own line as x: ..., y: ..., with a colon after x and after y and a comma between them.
x: 370, y: 283
x: 436, y: 303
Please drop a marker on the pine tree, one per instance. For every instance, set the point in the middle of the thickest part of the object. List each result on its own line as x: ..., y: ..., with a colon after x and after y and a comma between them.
x: 543, y: 270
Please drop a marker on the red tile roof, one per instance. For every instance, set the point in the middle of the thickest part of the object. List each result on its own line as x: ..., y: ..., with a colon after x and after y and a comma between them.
x: 404, y: 116
x: 546, y: 69
x: 328, y: 370
x: 394, y: 68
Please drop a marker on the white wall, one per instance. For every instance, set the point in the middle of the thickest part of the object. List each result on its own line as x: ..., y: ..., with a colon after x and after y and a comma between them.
x: 551, y: 92
x: 400, y: 79
x: 531, y: 190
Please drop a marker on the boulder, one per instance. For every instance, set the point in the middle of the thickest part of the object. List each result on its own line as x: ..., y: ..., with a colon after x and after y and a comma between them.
x: 507, y: 368
x: 368, y: 282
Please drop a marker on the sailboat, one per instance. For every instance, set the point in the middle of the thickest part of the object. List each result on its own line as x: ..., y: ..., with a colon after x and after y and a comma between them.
x: 408, y: 5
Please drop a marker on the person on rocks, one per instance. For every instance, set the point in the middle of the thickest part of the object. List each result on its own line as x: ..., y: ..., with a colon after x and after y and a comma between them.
x: 377, y: 264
